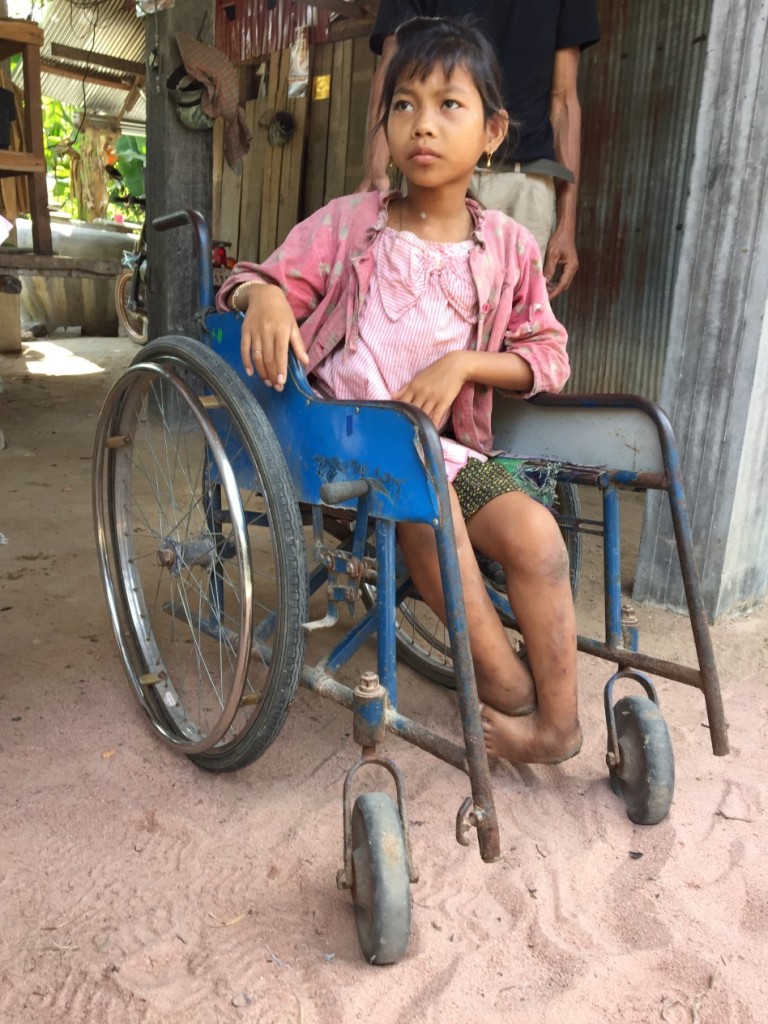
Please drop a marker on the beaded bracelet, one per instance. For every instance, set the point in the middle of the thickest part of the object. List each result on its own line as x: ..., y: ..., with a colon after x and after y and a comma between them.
x: 237, y: 292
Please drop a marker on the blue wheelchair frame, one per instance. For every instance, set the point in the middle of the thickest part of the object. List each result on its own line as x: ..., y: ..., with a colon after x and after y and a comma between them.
x: 617, y: 442
x: 383, y: 461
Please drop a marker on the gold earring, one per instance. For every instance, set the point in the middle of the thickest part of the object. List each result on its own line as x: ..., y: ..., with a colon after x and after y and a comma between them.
x: 488, y: 156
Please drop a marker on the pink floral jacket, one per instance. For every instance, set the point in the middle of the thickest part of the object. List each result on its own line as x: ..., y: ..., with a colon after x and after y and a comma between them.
x: 325, y: 267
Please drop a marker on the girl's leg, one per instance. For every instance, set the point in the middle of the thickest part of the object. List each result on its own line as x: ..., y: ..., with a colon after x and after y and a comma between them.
x: 524, y: 537
x: 503, y: 681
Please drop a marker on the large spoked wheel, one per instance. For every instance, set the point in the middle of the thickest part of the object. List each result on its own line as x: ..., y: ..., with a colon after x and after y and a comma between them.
x: 380, y: 882
x: 201, y: 552
x: 645, y: 777
x: 422, y: 639
x: 134, y: 322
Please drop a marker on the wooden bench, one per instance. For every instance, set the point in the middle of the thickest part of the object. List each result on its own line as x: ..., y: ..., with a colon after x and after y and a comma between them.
x: 15, y: 264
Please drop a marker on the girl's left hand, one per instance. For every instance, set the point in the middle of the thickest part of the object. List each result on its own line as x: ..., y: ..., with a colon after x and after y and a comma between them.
x: 434, y: 389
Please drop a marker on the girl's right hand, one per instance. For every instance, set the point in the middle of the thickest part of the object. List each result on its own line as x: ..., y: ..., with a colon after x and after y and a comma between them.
x: 269, y: 328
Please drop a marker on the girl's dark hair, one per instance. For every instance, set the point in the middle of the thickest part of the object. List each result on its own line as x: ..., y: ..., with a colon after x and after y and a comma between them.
x: 423, y: 43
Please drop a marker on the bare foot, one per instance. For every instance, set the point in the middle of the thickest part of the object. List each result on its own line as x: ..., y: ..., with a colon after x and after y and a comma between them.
x: 513, y: 697
x: 526, y: 740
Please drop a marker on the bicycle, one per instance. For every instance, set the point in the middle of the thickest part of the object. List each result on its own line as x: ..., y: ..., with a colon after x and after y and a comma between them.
x: 131, y: 290
x: 131, y: 285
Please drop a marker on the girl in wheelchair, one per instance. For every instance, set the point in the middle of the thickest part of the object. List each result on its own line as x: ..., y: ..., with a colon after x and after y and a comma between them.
x: 425, y: 297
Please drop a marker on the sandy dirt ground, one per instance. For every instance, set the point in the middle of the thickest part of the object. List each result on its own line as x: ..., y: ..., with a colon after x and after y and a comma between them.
x: 137, y: 889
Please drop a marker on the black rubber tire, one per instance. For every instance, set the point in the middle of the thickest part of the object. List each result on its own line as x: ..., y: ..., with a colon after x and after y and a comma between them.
x: 221, y: 699
x: 422, y: 640
x: 135, y: 324
x: 645, y: 780
x: 381, y: 888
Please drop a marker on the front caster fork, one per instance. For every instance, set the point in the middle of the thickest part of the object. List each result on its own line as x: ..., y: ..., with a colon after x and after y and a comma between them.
x: 369, y: 728
x: 345, y: 875
x: 613, y: 754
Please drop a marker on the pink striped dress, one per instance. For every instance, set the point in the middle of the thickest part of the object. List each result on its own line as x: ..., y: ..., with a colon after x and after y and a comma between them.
x: 422, y: 304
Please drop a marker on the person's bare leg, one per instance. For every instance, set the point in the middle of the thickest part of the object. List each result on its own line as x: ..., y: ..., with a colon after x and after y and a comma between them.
x: 525, y: 538
x: 503, y: 681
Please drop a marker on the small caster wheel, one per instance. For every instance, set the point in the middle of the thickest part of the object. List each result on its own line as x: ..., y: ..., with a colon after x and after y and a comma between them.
x: 380, y: 882
x: 645, y: 778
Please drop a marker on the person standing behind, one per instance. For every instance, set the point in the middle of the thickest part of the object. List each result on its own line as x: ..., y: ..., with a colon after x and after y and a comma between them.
x: 536, y: 180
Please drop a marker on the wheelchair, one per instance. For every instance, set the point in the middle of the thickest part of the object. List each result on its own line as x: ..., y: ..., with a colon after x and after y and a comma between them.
x: 207, y: 487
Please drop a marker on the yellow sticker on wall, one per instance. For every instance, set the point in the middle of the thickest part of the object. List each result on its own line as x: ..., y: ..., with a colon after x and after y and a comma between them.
x: 321, y: 87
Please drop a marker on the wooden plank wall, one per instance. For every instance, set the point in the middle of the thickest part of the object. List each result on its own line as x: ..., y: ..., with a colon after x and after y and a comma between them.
x: 279, y: 185
x: 337, y: 120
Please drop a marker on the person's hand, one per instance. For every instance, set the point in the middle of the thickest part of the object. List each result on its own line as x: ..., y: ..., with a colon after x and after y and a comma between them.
x: 561, y: 252
x: 435, y: 388
x: 269, y: 328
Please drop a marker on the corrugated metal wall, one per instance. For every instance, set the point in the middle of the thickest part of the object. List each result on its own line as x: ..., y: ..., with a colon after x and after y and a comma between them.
x: 103, y: 28
x: 640, y: 89
x: 247, y: 29
x: 716, y: 377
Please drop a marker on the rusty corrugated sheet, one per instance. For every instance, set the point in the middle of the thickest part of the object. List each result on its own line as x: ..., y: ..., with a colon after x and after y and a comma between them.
x: 111, y: 27
x: 639, y: 88
x: 246, y: 29
x: 106, y: 28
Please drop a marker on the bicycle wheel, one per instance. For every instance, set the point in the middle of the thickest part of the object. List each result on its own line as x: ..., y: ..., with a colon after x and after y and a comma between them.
x: 201, y: 553
x: 422, y: 639
x: 135, y: 323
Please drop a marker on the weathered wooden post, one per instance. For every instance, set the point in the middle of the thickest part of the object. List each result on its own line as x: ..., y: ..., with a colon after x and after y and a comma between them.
x: 178, y: 174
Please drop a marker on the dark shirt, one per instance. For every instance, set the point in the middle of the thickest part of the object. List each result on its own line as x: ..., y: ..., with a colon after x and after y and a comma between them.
x: 7, y: 114
x: 526, y: 34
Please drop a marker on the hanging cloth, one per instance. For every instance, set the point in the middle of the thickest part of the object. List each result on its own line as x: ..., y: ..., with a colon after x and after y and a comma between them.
x: 221, y: 98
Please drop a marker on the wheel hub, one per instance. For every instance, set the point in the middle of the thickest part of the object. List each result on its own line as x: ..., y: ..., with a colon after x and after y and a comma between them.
x: 175, y: 556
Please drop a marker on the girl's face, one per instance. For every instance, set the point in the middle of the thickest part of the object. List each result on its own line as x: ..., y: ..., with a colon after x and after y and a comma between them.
x: 437, y: 129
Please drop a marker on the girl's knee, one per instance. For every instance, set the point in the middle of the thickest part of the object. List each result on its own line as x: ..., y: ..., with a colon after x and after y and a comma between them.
x: 539, y: 550
x: 555, y: 563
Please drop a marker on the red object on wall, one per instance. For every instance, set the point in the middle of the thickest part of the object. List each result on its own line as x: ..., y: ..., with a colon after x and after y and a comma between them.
x: 247, y: 29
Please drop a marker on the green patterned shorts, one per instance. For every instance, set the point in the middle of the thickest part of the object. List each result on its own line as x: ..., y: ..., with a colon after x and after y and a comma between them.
x: 478, y: 482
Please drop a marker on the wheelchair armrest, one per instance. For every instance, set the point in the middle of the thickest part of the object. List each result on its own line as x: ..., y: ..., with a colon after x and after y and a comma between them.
x: 393, y: 446
x: 619, y: 432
